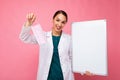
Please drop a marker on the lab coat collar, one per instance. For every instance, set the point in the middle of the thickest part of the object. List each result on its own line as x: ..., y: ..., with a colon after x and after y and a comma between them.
x: 49, y: 34
x: 61, y: 42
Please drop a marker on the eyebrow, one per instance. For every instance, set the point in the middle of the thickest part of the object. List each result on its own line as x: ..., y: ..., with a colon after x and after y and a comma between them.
x: 60, y: 19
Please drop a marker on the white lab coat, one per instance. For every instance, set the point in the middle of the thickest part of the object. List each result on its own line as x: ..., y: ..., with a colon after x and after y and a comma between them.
x: 46, y: 52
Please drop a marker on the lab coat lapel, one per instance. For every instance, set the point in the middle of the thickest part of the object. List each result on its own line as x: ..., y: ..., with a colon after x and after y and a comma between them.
x: 49, y: 36
x: 61, y: 42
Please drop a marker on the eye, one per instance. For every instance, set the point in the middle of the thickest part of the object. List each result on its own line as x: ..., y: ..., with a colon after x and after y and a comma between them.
x: 63, y: 22
x: 57, y: 20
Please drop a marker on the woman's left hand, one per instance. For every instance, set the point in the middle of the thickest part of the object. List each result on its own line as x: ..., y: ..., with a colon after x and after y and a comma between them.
x: 88, y: 73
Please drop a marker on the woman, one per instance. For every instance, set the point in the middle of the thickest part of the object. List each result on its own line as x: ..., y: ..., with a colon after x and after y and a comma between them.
x: 55, y: 54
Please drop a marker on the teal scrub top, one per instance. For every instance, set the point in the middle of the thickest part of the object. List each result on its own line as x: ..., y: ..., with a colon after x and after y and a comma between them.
x: 55, y: 72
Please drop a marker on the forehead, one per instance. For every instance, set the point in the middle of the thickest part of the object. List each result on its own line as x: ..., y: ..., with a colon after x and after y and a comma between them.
x: 60, y: 16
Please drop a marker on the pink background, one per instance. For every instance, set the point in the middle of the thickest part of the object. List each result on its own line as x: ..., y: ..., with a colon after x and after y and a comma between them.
x: 19, y: 61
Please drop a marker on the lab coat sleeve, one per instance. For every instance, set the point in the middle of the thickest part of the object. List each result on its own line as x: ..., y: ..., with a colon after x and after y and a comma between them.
x: 26, y: 36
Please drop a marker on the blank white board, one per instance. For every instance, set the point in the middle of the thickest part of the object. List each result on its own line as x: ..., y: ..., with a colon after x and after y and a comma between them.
x: 89, y: 47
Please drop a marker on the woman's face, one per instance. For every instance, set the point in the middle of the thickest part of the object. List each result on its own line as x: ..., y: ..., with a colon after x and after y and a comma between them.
x: 59, y: 22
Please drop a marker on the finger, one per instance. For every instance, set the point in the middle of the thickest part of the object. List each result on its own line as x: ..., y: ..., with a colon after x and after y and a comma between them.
x: 31, y: 15
x: 92, y: 74
x: 28, y: 16
x: 34, y: 18
x: 89, y: 73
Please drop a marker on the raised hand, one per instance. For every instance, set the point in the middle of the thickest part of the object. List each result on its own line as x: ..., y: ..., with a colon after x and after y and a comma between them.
x: 30, y: 19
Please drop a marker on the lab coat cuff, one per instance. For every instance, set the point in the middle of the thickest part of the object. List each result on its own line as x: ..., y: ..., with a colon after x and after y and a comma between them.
x: 24, y: 28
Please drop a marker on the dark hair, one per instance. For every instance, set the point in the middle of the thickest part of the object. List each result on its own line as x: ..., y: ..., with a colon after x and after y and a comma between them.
x: 61, y: 12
